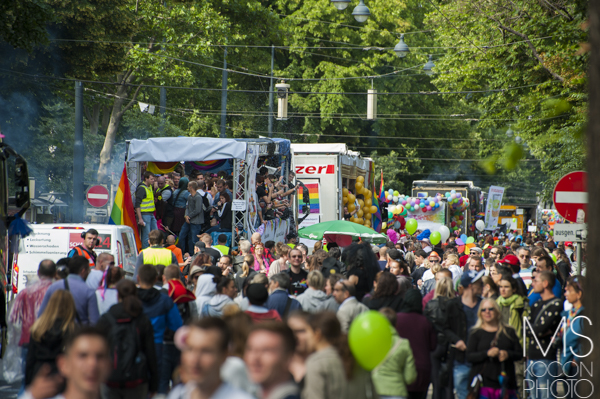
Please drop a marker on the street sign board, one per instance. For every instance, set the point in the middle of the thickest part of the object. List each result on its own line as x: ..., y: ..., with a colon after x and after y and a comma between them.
x: 570, y: 232
x: 97, y: 196
x: 96, y: 212
x: 571, y: 197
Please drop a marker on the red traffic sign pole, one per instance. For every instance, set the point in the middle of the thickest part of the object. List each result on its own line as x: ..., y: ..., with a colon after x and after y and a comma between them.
x: 571, y: 197
x: 97, y: 196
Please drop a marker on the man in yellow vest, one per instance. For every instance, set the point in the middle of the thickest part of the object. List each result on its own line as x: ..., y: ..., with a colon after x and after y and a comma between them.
x: 144, y: 207
x: 222, y: 244
x: 156, y: 254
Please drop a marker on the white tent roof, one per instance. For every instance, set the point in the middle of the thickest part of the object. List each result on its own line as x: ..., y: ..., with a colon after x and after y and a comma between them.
x: 175, y: 149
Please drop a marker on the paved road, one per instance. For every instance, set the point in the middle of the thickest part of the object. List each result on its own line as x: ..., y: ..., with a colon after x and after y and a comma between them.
x: 8, y: 391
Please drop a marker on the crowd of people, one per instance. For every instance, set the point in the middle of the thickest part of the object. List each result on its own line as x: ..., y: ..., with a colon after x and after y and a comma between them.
x: 271, y: 320
x: 200, y: 203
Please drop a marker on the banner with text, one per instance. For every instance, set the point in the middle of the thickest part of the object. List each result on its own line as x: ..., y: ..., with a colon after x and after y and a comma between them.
x: 492, y: 210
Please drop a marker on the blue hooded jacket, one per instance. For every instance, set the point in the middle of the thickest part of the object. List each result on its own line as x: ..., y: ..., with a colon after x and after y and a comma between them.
x: 161, y: 311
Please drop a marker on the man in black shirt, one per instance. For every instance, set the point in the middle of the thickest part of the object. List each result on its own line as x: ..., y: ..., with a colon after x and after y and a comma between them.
x: 297, y: 275
x: 544, y: 320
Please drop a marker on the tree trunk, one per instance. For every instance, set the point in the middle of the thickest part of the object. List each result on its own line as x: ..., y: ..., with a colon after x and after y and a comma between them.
x: 593, y: 217
x: 93, y: 117
x: 105, y: 119
x: 115, y: 120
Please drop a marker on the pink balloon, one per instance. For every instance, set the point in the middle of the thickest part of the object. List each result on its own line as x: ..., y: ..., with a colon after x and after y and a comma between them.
x: 417, y: 201
x: 428, y: 208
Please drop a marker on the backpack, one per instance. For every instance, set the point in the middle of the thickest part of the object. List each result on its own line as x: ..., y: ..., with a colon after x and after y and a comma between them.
x: 206, y: 209
x: 130, y: 366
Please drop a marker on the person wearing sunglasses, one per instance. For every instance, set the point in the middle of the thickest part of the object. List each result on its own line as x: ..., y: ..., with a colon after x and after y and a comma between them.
x: 297, y: 275
x: 496, y: 252
x: 492, y: 350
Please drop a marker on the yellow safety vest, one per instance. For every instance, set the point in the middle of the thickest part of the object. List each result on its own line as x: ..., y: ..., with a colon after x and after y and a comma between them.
x: 160, y: 191
x: 157, y: 256
x: 147, y: 204
x: 224, y: 249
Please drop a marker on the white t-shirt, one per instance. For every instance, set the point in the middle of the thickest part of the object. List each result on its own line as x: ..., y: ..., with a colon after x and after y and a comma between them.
x: 93, y: 279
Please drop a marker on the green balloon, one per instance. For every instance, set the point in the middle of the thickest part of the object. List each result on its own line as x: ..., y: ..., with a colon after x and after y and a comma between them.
x: 470, y: 240
x: 370, y: 339
x: 411, y: 226
x: 435, y: 238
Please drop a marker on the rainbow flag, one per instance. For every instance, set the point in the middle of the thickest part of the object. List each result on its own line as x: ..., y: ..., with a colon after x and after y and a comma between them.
x: 315, y: 204
x: 382, y: 195
x: 122, y: 211
x: 208, y: 165
x: 161, y: 168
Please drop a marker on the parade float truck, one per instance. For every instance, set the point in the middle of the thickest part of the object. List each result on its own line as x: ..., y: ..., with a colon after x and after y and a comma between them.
x: 325, y: 169
x: 453, y: 215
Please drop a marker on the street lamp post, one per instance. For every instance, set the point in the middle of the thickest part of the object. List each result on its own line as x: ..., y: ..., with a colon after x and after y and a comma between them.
x: 401, y: 48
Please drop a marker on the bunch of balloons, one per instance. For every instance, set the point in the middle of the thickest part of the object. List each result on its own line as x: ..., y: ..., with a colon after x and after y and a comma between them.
x: 365, y: 208
x: 413, y: 204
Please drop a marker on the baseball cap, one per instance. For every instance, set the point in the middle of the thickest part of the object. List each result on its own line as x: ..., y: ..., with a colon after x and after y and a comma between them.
x: 214, y: 270
x: 470, y: 277
x: 510, y: 260
x: 476, y: 249
x: 330, y: 266
x: 434, y: 255
x: 568, y: 244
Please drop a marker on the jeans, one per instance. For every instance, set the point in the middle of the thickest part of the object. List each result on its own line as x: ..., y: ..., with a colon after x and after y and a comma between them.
x: 217, y: 228
x: 540, y: 375
x: 188, y: 236
x: 150, y: 221
x: 170, y: 361
x: 24, y: 350
x: 461, y: 379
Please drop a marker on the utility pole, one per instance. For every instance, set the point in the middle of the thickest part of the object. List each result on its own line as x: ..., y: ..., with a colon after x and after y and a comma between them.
x: 224, y: 97
x: 78, y: 156
x: 271, y: 93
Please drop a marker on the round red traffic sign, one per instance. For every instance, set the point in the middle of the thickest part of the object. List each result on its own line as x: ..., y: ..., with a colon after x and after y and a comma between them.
x: 97, y: 196
x: 571, y: 197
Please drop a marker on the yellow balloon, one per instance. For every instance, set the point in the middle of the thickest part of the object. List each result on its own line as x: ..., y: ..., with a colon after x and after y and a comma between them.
x: 351, y: 207
x: 369, y: 194
x: 361, y: 203
x: 368, y: 201
x: 360, y: 179
x: 368, y: 216
x: 345, y: 192
x: 360, y: 221
x: 368, y: 223
x: 366, y: 209
x: 352, y: 219
x: 383, y: 225
x: 345, y: 200
x: 358, y: 186
x: 360, y: 213
x: 351, y: 197
x: 373, y: 209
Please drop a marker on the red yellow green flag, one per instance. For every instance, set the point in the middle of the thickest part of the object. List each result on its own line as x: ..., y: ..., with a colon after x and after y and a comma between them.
x: 122, y: 211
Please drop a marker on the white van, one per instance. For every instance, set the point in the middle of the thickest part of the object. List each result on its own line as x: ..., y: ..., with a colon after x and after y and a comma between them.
x: 55, y: 241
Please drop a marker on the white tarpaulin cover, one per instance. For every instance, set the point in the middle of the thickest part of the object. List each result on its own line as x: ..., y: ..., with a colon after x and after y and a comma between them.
x: 175, y: 149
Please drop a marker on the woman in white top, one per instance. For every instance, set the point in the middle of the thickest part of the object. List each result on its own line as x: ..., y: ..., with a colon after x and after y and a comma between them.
x: 280, y: 265
x: 106, y: 294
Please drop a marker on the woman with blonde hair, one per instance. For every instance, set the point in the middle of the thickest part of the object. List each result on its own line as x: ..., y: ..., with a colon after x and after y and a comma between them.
x: 246, y: 271
x: 452, y: 263
x: 48, y: 333
x: 435, y: 311
x: 492, y: 349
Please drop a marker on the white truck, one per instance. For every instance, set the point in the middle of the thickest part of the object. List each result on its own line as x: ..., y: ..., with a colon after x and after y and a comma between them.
x: 325, y: 169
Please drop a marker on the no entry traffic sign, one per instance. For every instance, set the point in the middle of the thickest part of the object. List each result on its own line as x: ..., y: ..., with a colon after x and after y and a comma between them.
x: 97, y: 196
x: 571, y: 197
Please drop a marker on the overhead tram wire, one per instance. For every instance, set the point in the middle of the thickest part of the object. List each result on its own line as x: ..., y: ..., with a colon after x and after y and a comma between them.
x: 293, y: 47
